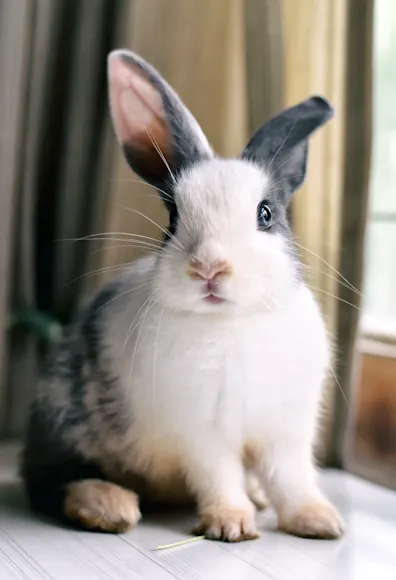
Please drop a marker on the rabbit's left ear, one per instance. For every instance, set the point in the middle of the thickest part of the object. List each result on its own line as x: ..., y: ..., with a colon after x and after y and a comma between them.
x: 158, y: 134
x: 281, y: 145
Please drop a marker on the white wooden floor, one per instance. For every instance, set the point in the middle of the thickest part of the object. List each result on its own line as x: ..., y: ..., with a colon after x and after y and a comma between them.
x: 35, y: 550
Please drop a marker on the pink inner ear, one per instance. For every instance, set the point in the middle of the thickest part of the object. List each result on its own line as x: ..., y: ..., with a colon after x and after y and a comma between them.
x: 136, y: 107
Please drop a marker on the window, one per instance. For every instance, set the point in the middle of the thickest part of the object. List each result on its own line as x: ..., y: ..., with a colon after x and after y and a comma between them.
x: 372, y: 453
x: 379, y: 305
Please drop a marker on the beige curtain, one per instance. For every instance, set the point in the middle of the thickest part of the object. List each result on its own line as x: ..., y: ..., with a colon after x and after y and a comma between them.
x: 54, y: 173
x: 237, y: 62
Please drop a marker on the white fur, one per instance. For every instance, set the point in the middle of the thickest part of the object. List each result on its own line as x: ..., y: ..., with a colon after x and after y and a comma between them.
x: 204, y: 382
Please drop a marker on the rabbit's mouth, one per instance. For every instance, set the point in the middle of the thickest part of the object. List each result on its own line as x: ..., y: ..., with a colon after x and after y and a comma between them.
x: 210, y: 292
x: 214, y: 299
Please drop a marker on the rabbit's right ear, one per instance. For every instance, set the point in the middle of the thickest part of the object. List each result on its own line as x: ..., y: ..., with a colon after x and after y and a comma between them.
x: 281, y: 145
x: 157, y: 133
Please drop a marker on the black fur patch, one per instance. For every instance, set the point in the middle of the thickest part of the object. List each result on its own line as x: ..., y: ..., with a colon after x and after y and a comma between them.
x: 50, y: 459
x: 45, y: 478
x: 173, y: 222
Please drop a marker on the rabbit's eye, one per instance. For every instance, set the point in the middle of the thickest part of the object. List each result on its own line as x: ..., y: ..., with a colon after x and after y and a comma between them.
x: 264, y: 216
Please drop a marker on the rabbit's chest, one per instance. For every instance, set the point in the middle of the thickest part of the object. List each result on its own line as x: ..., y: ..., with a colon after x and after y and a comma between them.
x: 235, y: 378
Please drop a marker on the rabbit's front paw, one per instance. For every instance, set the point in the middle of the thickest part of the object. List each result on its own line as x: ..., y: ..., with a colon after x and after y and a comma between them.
x: 228, y: 524
x: 318, y: 520
x: 101, y: 506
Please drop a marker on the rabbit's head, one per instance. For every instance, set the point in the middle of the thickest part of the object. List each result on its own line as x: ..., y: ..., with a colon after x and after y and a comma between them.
x: 229, y: 244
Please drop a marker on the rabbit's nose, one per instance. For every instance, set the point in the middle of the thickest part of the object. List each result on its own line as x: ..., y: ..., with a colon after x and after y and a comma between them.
x: 208, y: 271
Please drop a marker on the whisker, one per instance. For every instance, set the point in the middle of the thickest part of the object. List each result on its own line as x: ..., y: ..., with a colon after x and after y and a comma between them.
x: 131, y: 326
x: 328, y: 265
x: 150, y: 195
x: 314, y: 289
x: 157, y: 148
x: 169, y: 243
x: 167, y: 195
x: 282, y: 164
x: 109, y: 247
x: 101, y: 270
x: 282, y: 180
x: 283, y: 143
x: 93, y: 236
x: 341, y: 389
x: 267, y: 306
x: 155, y: 361
x: 275, y: 301
x: 141, y: 323
x: 341, y: 282
x: 167, y: 233
x: 131, y: 243
x: 129, y: 291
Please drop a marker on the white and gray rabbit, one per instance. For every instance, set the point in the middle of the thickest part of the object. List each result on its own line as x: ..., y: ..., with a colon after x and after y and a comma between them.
x: 195, y: 376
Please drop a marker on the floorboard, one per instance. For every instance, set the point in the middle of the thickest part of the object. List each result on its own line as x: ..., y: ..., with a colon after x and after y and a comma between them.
x: 31, y: 549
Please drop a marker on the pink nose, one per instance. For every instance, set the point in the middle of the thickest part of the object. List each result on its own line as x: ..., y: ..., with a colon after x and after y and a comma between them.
x: 208, y: 271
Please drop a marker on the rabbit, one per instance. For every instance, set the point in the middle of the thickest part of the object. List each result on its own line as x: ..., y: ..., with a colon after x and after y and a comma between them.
x: 196, y: 375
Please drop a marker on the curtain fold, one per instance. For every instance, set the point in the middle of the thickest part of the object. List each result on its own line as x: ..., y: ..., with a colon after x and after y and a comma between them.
x: 15, y: 40
x: 61, y: 179
x: 264, y: 60
x: 358, y: 147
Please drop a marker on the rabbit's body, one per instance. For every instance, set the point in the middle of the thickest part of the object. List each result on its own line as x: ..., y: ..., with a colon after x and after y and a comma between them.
x: 199, y: 366
x: 163, y: 404
x: 200, y: 384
